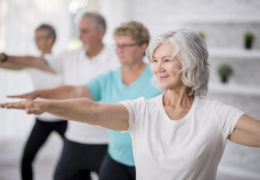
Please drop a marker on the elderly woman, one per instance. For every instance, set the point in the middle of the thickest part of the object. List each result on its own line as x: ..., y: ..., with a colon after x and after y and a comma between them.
x: 130, y: 81
x: 180, y: 134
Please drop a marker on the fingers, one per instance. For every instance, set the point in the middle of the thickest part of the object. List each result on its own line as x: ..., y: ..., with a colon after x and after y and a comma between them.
x: 30, y: 107
x: 14, y: 105
x: 16, y: 96
x: 29, y: 96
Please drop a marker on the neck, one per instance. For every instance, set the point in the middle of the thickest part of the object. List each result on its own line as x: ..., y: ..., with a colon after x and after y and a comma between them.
x: 177, y: 98
x: 132, y: 72
x: 139, y: 65
x: 94, y: 50
x: 46, y: 51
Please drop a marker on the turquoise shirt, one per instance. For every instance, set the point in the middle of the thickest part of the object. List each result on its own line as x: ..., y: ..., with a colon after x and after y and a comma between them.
x: 109, y: 88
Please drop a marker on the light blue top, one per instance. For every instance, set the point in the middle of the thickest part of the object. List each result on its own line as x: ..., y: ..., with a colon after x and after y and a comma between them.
x: 109, y: 88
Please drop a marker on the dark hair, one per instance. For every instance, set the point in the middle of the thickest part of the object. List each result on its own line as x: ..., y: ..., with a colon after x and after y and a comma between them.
x: 50, y: 31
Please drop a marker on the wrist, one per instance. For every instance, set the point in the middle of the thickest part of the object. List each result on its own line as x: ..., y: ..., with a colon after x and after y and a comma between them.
x: 36, y: 94
x: 4, y: 58
x: 43, y: 105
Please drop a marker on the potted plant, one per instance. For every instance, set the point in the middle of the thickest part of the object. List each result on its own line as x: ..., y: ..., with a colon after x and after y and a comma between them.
x: 249, y: 39
x: 225, y: 71
x: 202, y: 35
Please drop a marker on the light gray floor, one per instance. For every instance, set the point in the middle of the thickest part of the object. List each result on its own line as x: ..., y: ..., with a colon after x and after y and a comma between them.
x: 10, y: 152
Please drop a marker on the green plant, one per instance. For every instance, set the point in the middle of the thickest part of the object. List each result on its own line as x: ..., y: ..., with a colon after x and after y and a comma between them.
x: 224, y: 72
x: 202, y: 34
x: 249, y: 38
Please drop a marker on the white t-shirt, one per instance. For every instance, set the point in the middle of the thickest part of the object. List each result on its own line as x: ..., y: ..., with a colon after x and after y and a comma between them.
x: 77, y: 69
x: 44, y: 80
x: 189, y: 148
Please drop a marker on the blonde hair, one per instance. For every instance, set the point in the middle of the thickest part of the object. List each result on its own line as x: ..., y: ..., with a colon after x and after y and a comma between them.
x: 137, y: 31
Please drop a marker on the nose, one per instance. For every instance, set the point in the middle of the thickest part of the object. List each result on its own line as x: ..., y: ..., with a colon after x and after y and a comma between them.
x: 119, y: 50
x: 158, y: 67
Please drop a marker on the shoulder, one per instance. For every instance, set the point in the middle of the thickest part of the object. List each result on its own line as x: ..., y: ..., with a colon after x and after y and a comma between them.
x: 142, y: 104
x: 109, y: 74
x: 61, y: 56
x: 216, y: 109
x: 215, y: 104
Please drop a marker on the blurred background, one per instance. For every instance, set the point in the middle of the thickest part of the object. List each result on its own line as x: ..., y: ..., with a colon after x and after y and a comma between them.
x: 226, y: 25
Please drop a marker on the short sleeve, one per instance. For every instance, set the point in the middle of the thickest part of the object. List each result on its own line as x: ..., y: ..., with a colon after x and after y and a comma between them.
x: 95, y: 86
x: 135, y: 109
x: 56, y: 61
x: 228, y: 117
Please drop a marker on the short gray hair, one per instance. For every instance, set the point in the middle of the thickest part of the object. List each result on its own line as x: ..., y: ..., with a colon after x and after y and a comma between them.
x: 97, y: 19
x: 191, y: 51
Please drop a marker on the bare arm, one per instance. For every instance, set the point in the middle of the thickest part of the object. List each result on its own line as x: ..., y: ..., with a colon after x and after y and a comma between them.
x: 62, y: 92
x: 83, y: 110
x: 21, y: 62
x: 247, y: 132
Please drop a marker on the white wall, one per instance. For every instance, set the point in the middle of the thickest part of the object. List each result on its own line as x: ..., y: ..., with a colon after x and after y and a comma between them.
x: 19, y: 18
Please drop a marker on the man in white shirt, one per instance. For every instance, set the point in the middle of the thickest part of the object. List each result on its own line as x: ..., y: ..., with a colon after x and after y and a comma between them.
x: 85, y: 145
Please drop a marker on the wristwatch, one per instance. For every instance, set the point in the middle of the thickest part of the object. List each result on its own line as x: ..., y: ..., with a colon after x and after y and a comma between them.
x: 5, y: 58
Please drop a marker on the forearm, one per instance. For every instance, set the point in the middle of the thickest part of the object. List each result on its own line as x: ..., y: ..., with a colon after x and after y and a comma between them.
x: 114, y: 116
x: 81, y: 110
x: 64, y: 92
x: 11, y: 67
x: 21, y: 62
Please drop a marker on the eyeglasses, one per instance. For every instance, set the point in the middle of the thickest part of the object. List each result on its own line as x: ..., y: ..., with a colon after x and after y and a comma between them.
x: 124, y: 46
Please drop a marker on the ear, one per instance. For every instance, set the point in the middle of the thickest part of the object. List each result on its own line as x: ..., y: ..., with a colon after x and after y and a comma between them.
x: 51, y: 41
x: 144, y: 47
x: 101, y: 32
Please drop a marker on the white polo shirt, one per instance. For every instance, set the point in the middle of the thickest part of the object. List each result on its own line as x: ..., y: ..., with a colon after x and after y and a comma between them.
x: 77, y: 69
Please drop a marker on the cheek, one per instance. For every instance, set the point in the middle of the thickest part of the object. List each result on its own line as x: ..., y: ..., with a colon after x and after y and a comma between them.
x: 153, y: 68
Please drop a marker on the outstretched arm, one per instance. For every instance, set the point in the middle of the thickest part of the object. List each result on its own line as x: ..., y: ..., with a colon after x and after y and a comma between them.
x: 62, y: 92
x: 21, y: 62
x: 247, y: 132
x: 83, y: 110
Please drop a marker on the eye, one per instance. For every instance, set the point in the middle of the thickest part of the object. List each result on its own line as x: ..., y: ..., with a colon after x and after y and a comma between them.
x: 154, y: 61
x: 167, y: 60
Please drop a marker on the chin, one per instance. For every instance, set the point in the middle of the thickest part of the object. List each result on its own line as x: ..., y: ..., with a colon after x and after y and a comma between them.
x: 163, y: 86
x: 85, y: 47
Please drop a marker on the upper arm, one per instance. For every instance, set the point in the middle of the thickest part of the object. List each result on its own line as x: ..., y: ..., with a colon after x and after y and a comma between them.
x: 246, y: 132
x: 83, y: 91
x: 113, y: 117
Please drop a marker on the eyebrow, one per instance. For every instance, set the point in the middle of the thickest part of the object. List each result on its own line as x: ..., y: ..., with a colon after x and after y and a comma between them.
x: 164, y: 57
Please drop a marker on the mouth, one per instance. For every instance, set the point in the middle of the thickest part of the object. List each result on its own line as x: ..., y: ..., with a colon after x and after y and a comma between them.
x: 121, y: 57
x: 163, y: 77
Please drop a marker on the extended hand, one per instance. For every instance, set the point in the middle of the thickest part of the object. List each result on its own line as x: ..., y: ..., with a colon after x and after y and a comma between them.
x: 28, y: 96
x: 31, y: 107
